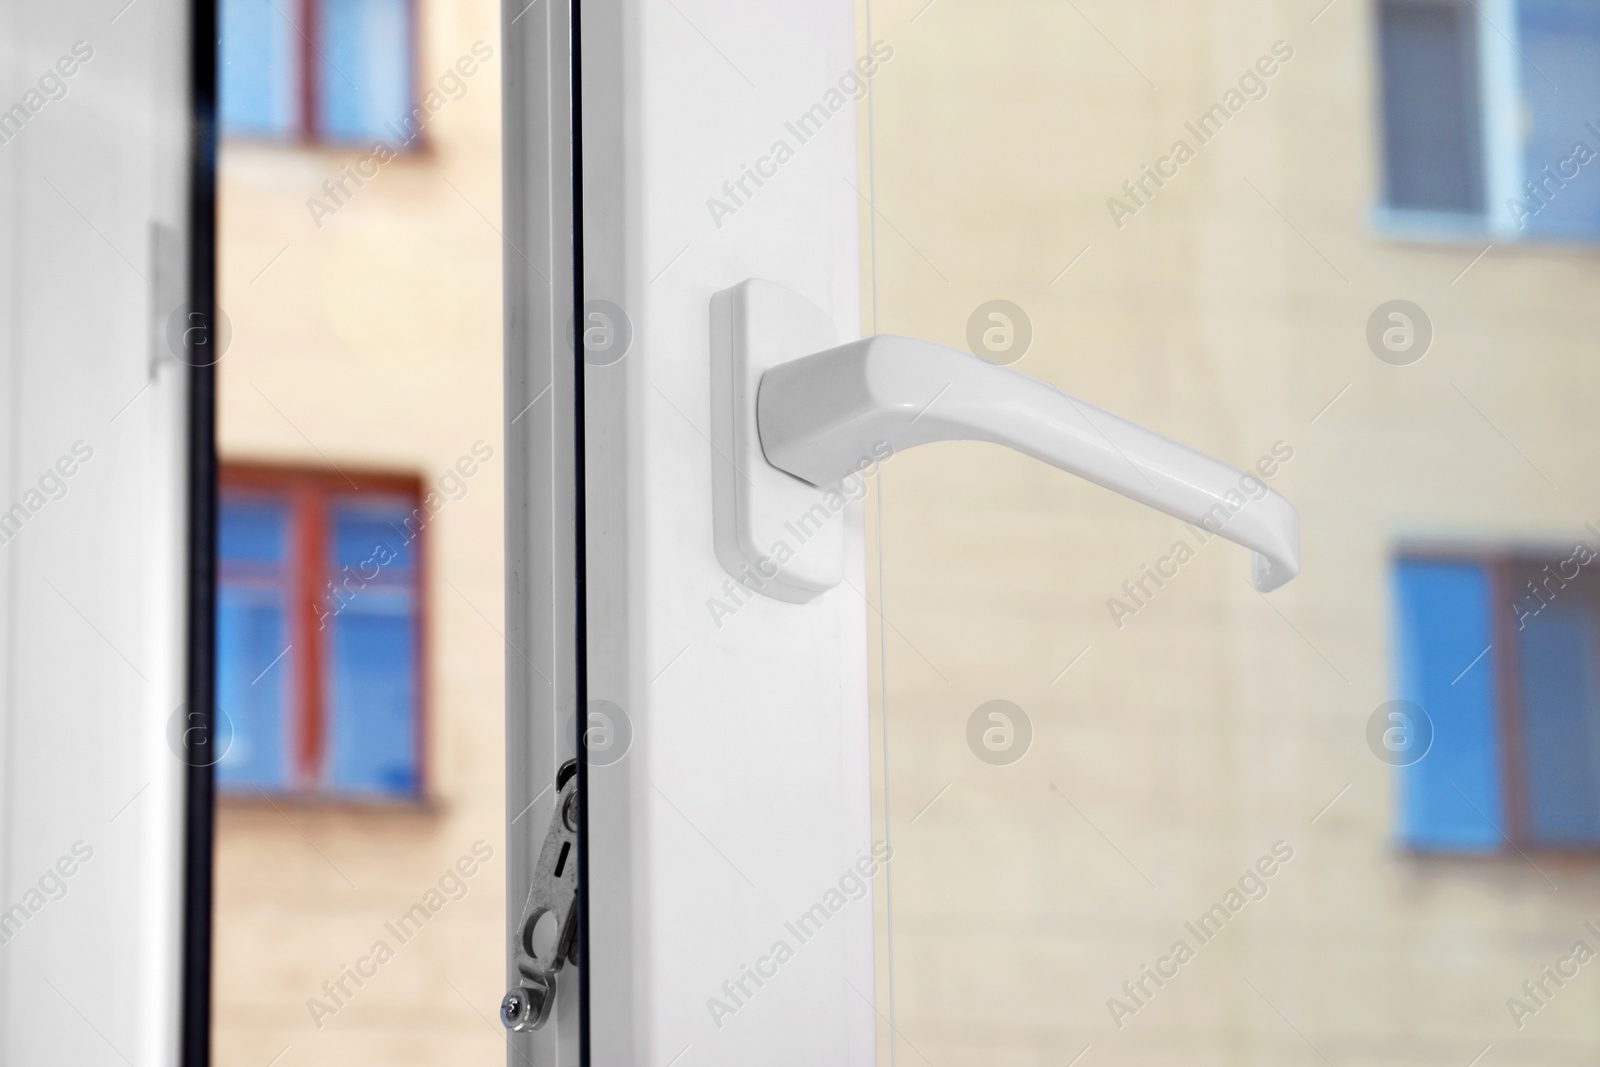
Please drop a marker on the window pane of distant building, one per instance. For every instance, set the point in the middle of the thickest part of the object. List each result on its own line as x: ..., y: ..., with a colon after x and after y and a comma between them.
x: 1450, y: 799
x: 1432, y: 134
x: 1559, y: 682
x: 252, y: 636
x: 1561, y: 42
x: 259, y: 68
x: 336, y: 71
x: 373, y: 640
x: 364, y: 89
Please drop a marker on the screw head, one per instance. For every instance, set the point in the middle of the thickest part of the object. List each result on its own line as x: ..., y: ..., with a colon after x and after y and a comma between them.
x: 525, y: 1009
x: 512, y: 1008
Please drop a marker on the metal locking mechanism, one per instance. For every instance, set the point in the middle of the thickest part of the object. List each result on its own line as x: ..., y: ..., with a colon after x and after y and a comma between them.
x: 546, y: 936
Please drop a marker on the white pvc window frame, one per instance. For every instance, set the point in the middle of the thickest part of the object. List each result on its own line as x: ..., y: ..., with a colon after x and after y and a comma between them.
x: 690, y: 861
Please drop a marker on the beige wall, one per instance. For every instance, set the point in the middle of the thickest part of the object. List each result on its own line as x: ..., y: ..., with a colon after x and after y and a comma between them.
x: 373, y: 340
x: 1214, y: 723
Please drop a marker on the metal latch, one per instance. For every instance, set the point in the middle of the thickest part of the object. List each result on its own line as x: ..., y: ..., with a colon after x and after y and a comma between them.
x: 546, y: 936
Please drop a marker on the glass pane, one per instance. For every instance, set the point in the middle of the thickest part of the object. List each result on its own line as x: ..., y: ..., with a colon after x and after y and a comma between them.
x: 1449, y: 757
x: 259, y: 68
x: 1430, y: 105
x: 374, y: 538
x: 364, y: 78
x: 1560, y: 710
x: 372, y: 644
x: 253, y: 530
x: 1140, y: 811
x: 1561, y: 85
x: 372, y: 743
x: 254, y: 657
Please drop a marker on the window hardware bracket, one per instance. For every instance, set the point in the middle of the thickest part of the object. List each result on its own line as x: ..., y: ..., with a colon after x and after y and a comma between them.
x: 546, y: 936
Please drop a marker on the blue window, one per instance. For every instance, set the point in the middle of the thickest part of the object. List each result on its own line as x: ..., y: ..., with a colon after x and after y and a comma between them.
x: 1487, y: 127
x: 259, y: 68
x: 1503, y: 658
x: 254, y: 659
x: 335, y: 71
x: 319, y: 634
x: 372, y: 641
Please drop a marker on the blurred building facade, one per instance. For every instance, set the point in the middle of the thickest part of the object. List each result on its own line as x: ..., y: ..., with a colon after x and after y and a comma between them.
x: 1196, y: 745
x: 360, y: 916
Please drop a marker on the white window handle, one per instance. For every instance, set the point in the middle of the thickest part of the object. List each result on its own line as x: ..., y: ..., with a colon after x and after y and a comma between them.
x: 823, y: 416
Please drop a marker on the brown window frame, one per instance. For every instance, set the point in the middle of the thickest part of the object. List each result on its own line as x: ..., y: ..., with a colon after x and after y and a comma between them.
x: 309, y: 491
